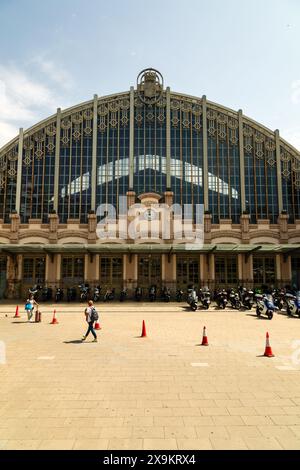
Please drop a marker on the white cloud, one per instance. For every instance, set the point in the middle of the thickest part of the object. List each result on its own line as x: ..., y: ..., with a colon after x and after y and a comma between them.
x: 295, y: 95
x: 53, y: 71
x: 292, y: 135
x: 26, y: 98
x: 7, y: 132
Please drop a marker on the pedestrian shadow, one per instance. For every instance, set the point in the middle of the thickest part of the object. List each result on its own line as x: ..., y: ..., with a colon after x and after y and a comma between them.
x: 75, y: 341
x: 21, y: 322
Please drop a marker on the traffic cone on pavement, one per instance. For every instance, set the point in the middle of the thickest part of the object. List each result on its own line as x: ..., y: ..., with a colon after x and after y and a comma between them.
x: 144, y: 334
x: 204, y: 339
x: 17, y: 315
x: 97, y: 326
x: 54, y: 319
x: 268, y: 350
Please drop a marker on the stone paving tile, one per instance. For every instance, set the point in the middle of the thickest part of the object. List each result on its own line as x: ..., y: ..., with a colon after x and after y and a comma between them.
x: 275, y: 431
x: 91, y: 444
x: 227, y: 420
x: 235, y: 443
x: 148, y: 432
x: 160, y: 444
x: 22, y: 444
x: 241, y: 411
x: 286, y: 419
x: 194, y: 444
x: 289, y: 443
x: 56, y: 445
x: 262, y: 443
x: 211, y: 431
x: 244, y: 431
x: 125, y: 444
x: 3, y: 444
x: 182, y: 432
x: 257, y: 420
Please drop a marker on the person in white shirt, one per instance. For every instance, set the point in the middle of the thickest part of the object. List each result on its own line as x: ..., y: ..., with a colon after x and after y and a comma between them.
x: 89, y: 318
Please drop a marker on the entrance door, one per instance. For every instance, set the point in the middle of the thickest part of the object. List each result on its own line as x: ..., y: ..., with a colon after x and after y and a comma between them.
x: 2, y: 276
x: 149, y: 272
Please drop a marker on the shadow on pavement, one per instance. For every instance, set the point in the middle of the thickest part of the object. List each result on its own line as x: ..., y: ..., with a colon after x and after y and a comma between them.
x: 76, y: 341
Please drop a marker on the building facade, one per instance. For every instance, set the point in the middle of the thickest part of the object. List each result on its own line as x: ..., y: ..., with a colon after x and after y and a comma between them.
x: 148, y: 145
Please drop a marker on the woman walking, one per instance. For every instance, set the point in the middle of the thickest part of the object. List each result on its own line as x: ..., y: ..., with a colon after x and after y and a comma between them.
x: 29, y: 307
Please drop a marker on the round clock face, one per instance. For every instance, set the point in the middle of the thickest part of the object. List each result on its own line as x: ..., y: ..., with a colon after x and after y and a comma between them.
x: 149, y: 215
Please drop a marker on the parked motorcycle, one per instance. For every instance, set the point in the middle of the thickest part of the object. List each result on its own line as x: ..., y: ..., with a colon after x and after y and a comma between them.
x: 46, y: 294
x: 246, y: 297
x: 234, y: 299
x: 293, y: 304
x: 138, y: 294
x: 166, y: 295
x: 152, y: 293
x: 84, y: 292
x: 96, y: 293
x: 265, y: 305
x: 221, y: 298
x: 59, y: 294
x: 179, y: 295
x: 123, y: 295
x: 109, y: 295
x: 279, y: 296
x: 205, y: 298
x: 71, y: 294
x: 192, y: 299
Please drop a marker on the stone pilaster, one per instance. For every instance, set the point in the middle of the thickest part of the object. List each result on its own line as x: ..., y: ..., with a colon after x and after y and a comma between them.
x: 53, y: 228
x: 92, y: 225
x: 130, y: 198
x: 207, y: 227
x: 169, y: 197
x: 13, y: 283
x: 283, y: 227
x: 245, y: 227
x: 14, y: 228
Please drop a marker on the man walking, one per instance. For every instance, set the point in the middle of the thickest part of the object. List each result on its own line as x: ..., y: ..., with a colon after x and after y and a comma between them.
x: 91, y: 316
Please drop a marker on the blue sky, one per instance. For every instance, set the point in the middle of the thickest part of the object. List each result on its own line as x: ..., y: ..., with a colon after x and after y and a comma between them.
x: 242, y: 54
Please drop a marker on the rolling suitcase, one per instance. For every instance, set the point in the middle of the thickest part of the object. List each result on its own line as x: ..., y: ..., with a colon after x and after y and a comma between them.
x: 38, y: 316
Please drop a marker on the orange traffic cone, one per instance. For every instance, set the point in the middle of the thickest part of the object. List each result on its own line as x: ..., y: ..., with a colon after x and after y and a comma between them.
x: 268, y: 350
x: 204, y: 340
x: 97, y: 326
x: 17, y: 315
x: 54, y: 319
x: 144, y: 334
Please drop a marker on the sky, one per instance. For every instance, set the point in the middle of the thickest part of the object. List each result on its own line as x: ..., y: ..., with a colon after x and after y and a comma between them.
x: 241, y: 54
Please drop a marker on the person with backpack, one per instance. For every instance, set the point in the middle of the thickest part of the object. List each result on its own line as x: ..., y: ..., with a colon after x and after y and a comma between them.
x: 91, y: 316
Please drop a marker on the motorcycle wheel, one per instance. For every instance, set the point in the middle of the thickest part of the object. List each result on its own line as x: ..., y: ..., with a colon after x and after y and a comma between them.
x: 238, y: 305
x: 270, y: 315
x: 194, y: 308
x: 288, y: 311
x: 258, y: 312
x: 206, y: 306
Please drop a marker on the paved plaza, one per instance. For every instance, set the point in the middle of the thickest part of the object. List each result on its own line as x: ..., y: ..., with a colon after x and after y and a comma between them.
x: 160, y: 392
